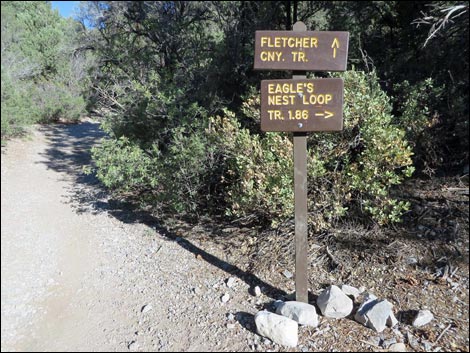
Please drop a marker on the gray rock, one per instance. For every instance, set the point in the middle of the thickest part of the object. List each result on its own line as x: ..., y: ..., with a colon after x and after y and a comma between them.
x: 427, y: 345
x: 230, y: 317
x: 334, y: 303
x: 350, y: 291
x: 411, y: 260
x: 397, y: 347
x: 412, y: 341
x: 376, y: 340
x: 287, y: 273
x: 277, y: 328
x: 422, y: 318
x: 303, y: 313
x: 374, y: 313
x: 389, y: 342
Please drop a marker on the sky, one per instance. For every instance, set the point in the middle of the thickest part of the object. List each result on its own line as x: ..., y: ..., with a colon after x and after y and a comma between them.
x: 65, y: 8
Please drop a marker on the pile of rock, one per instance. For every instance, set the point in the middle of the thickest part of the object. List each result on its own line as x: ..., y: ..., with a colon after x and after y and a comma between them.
x: 282, y: 327
x: 334, y: 302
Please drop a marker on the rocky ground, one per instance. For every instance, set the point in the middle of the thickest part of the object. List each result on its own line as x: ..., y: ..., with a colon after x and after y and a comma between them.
x: 82, y: 271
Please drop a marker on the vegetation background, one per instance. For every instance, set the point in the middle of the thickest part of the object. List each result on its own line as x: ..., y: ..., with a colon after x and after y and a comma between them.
x: 174, y: 86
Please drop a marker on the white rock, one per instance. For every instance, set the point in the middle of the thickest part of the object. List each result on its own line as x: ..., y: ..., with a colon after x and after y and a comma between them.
x: 257, y: 291
x: 132, y: 346
x: 287, y: 273
x: 303, y: 313
x: 397, y: 347
x: 230, y: 282
x: 277, y: 328
x: 392, y: 320
x: 422, y: 318
x: 334, y: 303
x: 351, y: 291
x: 369, y: 301
x: 146, y: 308
x: 374, y: 314
x: 225, y: 298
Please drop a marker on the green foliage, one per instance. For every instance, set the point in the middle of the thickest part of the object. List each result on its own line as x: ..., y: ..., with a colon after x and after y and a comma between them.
x: 349, y: 172
x: 416, y: 113
x: 257, y: 169
x: 179, y: 98
x: 123, y: 166
x: 413, y: 41
x: 42, y: 78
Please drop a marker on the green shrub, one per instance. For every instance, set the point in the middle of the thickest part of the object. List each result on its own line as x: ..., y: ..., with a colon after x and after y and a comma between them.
x: 55, y: 101
x: 123, y: 166
x: 206, y: 167
x: 417, y: 114
x: 17, y: 108
x: 349, y: 172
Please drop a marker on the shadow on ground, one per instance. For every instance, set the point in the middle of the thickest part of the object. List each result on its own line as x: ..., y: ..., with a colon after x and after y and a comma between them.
x: 69, y: 150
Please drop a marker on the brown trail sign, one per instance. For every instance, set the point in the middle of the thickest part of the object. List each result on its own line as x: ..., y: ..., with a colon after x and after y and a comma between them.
x: 300, y: 106
x: 305, y: 51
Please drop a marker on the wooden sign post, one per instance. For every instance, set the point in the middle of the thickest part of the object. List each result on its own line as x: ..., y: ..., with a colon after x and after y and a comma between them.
x: 300, y: 106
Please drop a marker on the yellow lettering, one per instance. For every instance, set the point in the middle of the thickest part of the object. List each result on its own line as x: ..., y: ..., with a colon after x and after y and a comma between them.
x: 313, y: 42
x: 310, y: 87
x: 275, y: 115
x: 298, y: 56
x: 264, y: 41
x: 270, y: 56
x: 317, y: 99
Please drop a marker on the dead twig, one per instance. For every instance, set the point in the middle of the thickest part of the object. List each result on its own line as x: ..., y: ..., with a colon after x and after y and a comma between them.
x: 332, y: 258
x: 442, y: 334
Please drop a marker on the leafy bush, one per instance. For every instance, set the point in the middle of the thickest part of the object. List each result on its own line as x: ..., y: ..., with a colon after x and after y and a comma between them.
x: 351, y: 171
x: 219, y: 164
x: 417, y: 115
x: 123, y: 166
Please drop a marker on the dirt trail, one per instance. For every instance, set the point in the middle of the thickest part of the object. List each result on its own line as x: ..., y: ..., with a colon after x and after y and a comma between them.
x: 76, y: 271
x: 46, y: 245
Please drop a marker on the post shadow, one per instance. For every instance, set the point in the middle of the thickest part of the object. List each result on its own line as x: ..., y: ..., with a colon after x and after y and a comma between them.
x: 69, y: 149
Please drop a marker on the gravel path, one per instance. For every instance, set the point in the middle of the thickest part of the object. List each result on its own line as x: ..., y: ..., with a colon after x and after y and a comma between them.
x: 80, y: 273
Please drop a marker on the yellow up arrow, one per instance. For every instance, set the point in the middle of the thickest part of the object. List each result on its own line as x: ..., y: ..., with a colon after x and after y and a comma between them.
x: 335, y: 45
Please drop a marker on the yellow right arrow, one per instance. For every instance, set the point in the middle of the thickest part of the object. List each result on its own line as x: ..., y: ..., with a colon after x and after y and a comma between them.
x: 335, y: 45
x: 326, y: 114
